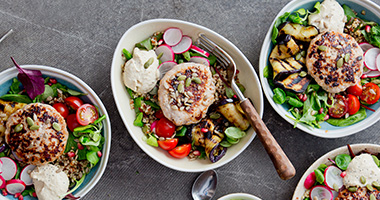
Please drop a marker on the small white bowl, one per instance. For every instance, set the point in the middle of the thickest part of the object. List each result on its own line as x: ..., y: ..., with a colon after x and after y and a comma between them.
x: 239, y: 196
x: 75, y: 83
x: 247, y: 76
x: 356, y: 148
x: 327, y: 130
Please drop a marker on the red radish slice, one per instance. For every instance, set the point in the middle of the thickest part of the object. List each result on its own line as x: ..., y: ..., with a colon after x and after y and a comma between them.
x: 2, y: 182
x: 370, y: 58
x: 378, y: 62
x: 201, y: 60
x: 165, y: 67
x: 321, y: 192
x: 25, y: 174
x: 332, y: 177
x: 372, y: 74
x: 9, y: 168
x: 365, y: 46
x: 167, y: 53
x: 199, y: 50
x: 15, y: 186
x: 183, y: 46
x: 172, y: 36
x: 310, y: 180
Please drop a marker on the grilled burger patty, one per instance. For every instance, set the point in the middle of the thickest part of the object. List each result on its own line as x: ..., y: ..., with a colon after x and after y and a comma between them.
x: 335, y: 61
x: 186, y: 92
x: 40, y: 143
x: 362, y: 194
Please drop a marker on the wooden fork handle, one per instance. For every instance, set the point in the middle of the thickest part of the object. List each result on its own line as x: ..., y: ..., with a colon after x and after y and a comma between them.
x: 284, y: 167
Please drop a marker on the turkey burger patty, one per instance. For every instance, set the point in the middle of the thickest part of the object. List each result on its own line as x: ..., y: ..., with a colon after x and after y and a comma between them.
x: 36, y: 134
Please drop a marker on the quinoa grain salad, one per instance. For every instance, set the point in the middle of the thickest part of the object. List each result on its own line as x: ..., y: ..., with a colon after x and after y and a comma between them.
x: 188, y: 109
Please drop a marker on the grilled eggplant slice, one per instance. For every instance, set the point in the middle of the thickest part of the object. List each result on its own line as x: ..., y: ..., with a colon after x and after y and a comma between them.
x: 287, y: 49
x: 210, y: 139
x: 6, y: 109
x: 294, y: 82
x: 298, y: 31
x: 232, y: 114
x: 282, y: 68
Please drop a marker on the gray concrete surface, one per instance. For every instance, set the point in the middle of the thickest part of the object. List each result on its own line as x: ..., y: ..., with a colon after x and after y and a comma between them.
x: 79, y: 36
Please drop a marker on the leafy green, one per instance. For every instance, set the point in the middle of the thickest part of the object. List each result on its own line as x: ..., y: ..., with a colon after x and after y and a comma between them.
x: 75, y: 93
x: 279, y: 96
x: 342, y: 161
x: 212, y: 59
x: 348, y: 12
x: 137, y: 104
x: 294, y: 102
x: 16, y: 98
x: 15, y: 87
x: 78, y: 183
x: 186, y: 55
x: 225, y: 143
x: 319, y: 176
x: 360, y: 115
x: 152, y: 104
x: 92, y: 157
x: 127, y: 54
x: 229, y: 92
x: 277, y: 23
x: 234, y: 132
x: 181, y: 132
x: 138, y: 120
x: 152, y: 141
x: 145, y: 44
x: 71, y: 144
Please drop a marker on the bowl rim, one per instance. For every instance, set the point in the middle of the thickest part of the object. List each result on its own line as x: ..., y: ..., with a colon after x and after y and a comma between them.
x: 107, y: 126
x: 232, y: 196
x: 124, y: 117
x: 338, y: 133
x: 323, y: 159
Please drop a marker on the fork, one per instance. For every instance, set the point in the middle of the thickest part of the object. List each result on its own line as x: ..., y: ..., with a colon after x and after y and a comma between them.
x: 284, y: 167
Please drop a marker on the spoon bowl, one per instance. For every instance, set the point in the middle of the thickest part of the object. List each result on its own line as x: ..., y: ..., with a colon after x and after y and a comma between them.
x: 204, y: 186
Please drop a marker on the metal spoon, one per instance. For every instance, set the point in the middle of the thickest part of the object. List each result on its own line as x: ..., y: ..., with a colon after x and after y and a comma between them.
x: 204, y: 186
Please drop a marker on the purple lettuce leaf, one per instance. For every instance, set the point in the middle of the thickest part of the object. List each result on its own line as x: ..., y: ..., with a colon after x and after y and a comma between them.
x: 32, y: 80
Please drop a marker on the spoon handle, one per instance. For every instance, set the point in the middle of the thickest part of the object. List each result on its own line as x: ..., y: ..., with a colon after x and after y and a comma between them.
x: 284, y: 167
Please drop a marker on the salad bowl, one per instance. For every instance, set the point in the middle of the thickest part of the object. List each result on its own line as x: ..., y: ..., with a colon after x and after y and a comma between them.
x: 356, y: 148
x: 247, y: 76
x: 72, y: 82
x: 372, y: 12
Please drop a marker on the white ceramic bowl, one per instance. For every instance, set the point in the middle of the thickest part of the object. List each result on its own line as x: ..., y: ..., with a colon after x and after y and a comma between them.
x: 327, y: 131
x: 247, y: 76
x: 239, y: 196
x: 356, y: 148
x: 75, y: 83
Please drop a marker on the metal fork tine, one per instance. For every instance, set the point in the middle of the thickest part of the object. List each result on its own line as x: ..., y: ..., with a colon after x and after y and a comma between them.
x: 213, y: 48
x: 218, y: 57
x: 216, y: 48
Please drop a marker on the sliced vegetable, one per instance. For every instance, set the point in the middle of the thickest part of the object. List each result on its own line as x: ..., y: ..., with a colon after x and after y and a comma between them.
x: 355, y: 90
x: 298, y: 31
x: 201, y: 60
x: 165, y: 67
x: 365, y: 46
x: 172, y: 36
x: 2, y: 182
x: 74, y: 102
x: 152, y: 141
x: 370, y: 94
x: 310, y: 180
x: 339, y: 107
x: 180, y: 151
x: 332, y: 177
x: 353, y: 104
x: 15, y: 186
x: 183, y: 46
x: 166, y: 51
x: 321, y: 192
x: 87, y: 114
x: 25, y: 175
x: 234, y: 132
x: 72, y: 122
x: 9, y: 168
x: 370, y: 58
x: 62, y: 109
x: 200, y: 51
x: 168, y: 144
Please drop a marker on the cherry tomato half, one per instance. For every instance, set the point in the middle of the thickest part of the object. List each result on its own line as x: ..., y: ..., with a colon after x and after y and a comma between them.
x: 72, y: 122
x: 353, y: 104
x: 165, y: 128
x: 355, y: 90
x: 74, y: 102
x: 159, y: 114
x: 371, y: 93
x: 87, y: 114
x: 62, y: 109
x: 180, y: 151
x: 339, y: 108
x: 168, y: 144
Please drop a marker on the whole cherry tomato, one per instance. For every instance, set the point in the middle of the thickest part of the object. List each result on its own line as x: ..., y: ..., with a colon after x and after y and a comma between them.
x: 74, y: 102
x: 355, y: 90
x: 62, y: 109
x: 165, y: 128
x: 353, y: 104
x: 180, y: 151
x: 72, y: 122
x: 168, y: 144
